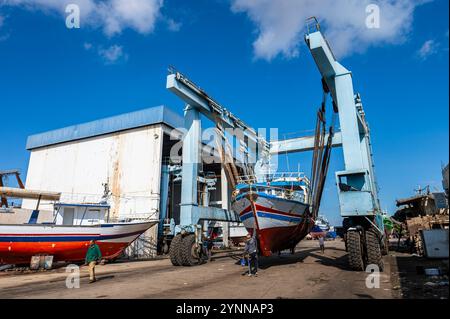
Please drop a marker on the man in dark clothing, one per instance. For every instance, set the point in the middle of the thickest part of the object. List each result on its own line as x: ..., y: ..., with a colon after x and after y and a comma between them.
x: 207, y: 247
x: 93, y: 256
x: 251, y: 250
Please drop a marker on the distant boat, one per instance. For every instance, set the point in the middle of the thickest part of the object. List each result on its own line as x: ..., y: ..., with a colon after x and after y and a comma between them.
x: 277, y: 209
x: 18, y: 243
x: 321, y: 227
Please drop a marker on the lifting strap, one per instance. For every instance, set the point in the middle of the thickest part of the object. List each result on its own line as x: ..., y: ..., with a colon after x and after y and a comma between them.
x: 321, y: 156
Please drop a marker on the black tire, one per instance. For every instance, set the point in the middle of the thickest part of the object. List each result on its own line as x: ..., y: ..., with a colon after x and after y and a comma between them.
x: 373, y: 248
x: 355, y: 251
x: 175, y: 250
x: 189, y: 255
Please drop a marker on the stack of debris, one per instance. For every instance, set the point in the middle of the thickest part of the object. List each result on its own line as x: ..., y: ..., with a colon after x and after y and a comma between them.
x: 426, y: 218
x: 417, y: 225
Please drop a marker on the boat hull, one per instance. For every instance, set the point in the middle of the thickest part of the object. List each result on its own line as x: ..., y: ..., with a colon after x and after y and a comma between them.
x: 18, y: 243
x: 280, y: 224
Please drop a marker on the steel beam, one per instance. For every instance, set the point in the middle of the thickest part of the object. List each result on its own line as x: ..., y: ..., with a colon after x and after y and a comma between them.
x: 197, y: 98
x: 301, y: 144
x: 191, y: 160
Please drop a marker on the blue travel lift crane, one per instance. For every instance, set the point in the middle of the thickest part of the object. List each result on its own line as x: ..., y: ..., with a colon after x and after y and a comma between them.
x: 359, y: 203
x: 186, y: 246
x: 357, y: 189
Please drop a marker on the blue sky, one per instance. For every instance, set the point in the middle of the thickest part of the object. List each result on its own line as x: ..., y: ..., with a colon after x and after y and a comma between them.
x: 249, y: 55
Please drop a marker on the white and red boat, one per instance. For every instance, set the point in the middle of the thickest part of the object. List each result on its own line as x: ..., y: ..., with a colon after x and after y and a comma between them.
x: 65, y: 242
x: 277, y: 209
x: 18, y: 243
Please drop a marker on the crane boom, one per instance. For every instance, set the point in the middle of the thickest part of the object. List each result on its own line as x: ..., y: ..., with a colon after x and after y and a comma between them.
x: 357, y: 188
x: 355, y: 135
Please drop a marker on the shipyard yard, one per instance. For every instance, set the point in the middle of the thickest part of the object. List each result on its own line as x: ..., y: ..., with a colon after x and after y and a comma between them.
x: 307, y: 274
x: 300, y: 152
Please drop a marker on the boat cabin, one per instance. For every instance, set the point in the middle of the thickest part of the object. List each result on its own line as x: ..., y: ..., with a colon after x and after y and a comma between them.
x: 284, y: 186
x: 81, y: 214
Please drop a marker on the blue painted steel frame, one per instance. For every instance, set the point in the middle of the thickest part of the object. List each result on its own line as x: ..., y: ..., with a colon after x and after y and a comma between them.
x: 361, y: 197
x: 191, y: 213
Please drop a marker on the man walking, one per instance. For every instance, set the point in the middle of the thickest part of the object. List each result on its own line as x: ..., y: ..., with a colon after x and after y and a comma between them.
x: 207, y: 247
x: 251, y: 249
x: 322, y: 244
x: 93, y: 256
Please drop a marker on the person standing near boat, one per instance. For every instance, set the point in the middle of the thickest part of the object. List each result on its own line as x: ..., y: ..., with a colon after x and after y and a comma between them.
x: 251, y: 249
x: 322, y: 244
x: 93, y: 256
x: 207, y: 246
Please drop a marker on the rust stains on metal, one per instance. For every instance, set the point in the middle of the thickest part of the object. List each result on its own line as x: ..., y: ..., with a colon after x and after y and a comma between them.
x: 116, y: 175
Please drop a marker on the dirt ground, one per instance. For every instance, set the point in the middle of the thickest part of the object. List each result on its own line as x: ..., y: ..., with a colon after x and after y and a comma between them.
x: 409, y: 280
x: 306, y: 274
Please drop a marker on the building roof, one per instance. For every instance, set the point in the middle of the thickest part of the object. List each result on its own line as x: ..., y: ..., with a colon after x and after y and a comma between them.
x: 155, y: 115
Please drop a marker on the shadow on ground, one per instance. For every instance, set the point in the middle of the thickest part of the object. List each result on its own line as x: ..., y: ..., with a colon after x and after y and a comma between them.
x: 300, y: 256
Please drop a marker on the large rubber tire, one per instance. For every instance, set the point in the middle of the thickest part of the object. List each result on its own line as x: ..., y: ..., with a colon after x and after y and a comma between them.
x: 355, y: 251
x: 373, y: 248
x: 175, y: 250
x: 189, y: 255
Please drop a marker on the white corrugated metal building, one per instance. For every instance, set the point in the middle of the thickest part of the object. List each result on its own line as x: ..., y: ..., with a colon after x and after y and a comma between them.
x: 123, y: 154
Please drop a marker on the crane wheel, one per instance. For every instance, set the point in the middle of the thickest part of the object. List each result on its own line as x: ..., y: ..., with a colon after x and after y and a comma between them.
x: 355, y: 251
x: 189, y: 253
x: 175, y: 251
x: 373, y: 248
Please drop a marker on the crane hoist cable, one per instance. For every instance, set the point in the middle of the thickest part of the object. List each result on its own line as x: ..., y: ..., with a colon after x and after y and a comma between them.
x: 318, y: 146
x: 321, y: 155
x: 227, y: 159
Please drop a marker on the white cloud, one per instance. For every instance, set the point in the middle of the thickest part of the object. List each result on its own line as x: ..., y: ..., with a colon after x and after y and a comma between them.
x: 112, y: 54
x: 280, y: 24
x: 429, y: 48
x: 113, y: 16
x: 87, y: 46
x: 3, y: 37
x: 173, y: 25
x: 109, y: 55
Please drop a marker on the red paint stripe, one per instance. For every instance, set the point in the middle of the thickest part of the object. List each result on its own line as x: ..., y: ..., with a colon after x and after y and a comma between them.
x: 248, y: 209
x: 48, y: 234
x: 271, y: 210
x: 21, y: 253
